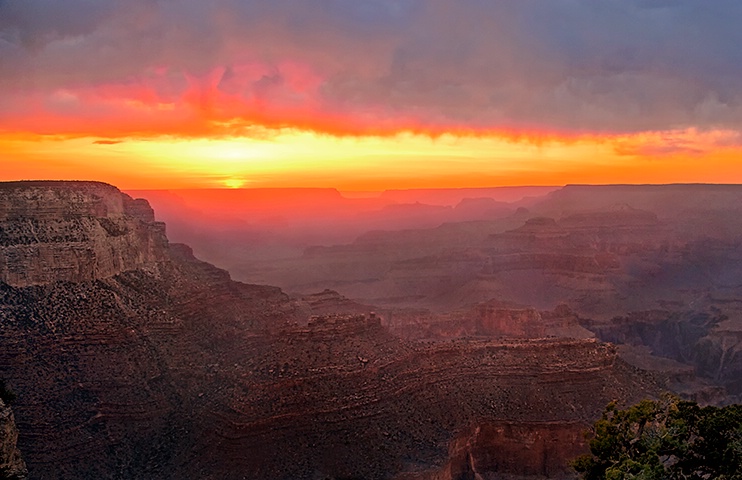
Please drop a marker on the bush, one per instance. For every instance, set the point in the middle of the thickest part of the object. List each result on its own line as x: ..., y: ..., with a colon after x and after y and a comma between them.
x: 665, y: 440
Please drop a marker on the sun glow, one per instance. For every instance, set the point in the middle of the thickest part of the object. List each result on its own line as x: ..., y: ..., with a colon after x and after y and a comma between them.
x: 234, y: 183
x: 291, y: 158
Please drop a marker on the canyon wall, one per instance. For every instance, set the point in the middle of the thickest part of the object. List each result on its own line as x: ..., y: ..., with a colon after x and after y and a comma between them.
x: 345, y: 399
x: 140, y: 361
x: 614, y: 255
x: 50, y: 232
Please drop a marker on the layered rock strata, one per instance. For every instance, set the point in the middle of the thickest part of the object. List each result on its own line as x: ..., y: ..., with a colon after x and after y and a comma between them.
x: 613, y: 254
x: 50, y: 232
x: 156, y: 365
x: 493, y: 319
x: 342, y: 398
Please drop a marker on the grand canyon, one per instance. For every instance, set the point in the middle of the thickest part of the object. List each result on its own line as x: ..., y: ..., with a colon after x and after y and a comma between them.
x: 482, y: 347
x: 370, y: 240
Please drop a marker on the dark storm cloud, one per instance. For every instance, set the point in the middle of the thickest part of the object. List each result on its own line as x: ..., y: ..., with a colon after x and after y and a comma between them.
x: 563, y: 65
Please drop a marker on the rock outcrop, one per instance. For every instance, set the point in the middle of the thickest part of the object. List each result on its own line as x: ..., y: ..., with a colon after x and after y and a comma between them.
x: 524, y: 450
x: 107, y: 332
x: 51, y: 232
x: 493, y: 319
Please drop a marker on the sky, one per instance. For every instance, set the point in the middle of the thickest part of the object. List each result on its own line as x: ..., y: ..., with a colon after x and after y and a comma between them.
x: 370, y: 94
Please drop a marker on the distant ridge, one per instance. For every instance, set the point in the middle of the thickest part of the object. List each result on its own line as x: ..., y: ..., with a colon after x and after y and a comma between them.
x: 452, y: 196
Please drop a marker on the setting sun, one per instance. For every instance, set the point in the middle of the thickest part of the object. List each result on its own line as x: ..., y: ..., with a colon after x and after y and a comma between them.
x: 254, y: 97
x: 291, y: 158
x: 234, y: 183
x: 370, y: 239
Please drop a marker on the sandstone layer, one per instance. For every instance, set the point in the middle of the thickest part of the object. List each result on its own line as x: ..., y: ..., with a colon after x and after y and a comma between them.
x: 50, y: 232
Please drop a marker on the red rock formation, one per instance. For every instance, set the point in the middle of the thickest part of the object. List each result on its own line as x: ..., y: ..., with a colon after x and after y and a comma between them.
x: 505, y: 450
x: 157, y: 365
x: 493, y: 319
x: 51, y: 232
x: 371, y: 406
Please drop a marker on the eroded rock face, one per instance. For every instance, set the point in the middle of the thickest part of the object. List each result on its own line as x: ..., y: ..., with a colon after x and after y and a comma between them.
x: 493, y: 319
x: 156, y: 365
x: 12, y: 466
x: 315, y: 403
x: 116, y: 377
x: 186, y: 374
x: 707, y: 339
x: 510, y: 450
x: 74, y: 231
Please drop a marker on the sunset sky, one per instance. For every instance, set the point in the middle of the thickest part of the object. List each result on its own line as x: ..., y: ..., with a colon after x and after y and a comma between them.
x: 370, y: 94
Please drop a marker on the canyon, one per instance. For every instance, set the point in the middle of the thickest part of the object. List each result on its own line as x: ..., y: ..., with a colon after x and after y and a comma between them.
x: 131, y: 358
x: 655, y: 268
x: 472, y: 349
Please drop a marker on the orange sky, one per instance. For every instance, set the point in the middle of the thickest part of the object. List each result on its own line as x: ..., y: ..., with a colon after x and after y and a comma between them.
x: 293, y: 158
x: 369, y: 96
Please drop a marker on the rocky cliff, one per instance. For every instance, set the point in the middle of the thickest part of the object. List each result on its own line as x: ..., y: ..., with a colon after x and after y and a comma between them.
x: 343, y: 398
x: 132, y: 359
x: 51, y: 232
x: 705, y: 338
x: 108, y: 334
x: 493, y: 319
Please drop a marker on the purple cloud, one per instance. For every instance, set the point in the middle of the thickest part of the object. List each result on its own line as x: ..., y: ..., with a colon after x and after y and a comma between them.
x: 580, y: 66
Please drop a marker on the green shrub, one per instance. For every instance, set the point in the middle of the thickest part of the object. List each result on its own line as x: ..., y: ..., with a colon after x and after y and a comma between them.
x: 665, y: 440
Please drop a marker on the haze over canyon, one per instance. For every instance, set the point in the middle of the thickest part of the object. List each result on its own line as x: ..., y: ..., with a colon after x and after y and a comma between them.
x: 369, y: 239
x: 420, y: 334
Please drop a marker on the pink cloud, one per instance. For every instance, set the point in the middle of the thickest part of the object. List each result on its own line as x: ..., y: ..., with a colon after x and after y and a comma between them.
x: 188, y: 67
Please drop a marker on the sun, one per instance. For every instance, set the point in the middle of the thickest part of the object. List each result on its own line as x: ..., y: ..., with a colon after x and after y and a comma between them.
x: 234, y: 183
